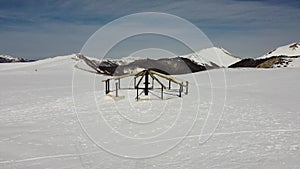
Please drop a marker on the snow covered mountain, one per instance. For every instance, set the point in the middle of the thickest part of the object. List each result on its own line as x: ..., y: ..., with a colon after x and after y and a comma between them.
x: 284, y: 56
x: 126, y: 60
x: 291, y: 50
x: 209, y: 58
x: 9, y: 59
x: 213, y: 56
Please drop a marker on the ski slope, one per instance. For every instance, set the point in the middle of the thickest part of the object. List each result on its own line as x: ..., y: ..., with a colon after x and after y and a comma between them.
x: 52, y: 117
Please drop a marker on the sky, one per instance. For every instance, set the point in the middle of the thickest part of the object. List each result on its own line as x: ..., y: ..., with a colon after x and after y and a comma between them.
x: 36, y: 29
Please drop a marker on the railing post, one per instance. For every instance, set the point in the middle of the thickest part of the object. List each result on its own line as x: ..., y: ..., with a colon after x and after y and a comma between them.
x: 152, y: 83
x: 117, y: 86
x: 108, y: 90
x: 162, y: 92
x: 134, y: 82
x: 137, y: 93
x: 146, y: 82
x: 107, y: 86
x: 186, y: 87
x: 180, y: 89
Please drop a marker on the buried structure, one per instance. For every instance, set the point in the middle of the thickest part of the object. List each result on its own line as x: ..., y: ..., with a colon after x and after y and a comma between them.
x: 149, y: 82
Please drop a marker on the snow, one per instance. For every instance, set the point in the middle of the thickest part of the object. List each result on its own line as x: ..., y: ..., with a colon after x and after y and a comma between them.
x: 43, y: 117
x: 292, y: 49
x: 54, y: 61
x: 288, y: 62
x: 126, y: 60
x: 210, y: 56
x: 218, y: 56
x: 295, y: 62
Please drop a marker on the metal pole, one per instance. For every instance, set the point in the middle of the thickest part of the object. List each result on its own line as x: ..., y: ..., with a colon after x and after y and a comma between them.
x: 105, y: 87
x: 137, y: 93
x: 180, y: 89
x: 162, y: 92
x: 134, y: 82
x: 169, y: 84
x: 117, y: 85
x: 152, y: 83
x: 146, y: 82
x: 186, y: 87
x: 108, y: 90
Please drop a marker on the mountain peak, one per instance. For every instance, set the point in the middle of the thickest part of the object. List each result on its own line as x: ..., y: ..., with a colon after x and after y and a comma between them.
x: 9, y: 59
x: 213, y: 55
x: 295, y: 46
x: 292, y: 49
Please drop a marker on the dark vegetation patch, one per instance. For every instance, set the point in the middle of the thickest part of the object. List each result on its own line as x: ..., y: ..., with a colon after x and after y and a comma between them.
x: 249, y: 62
x: 295, y: 46
x: 275, y: 61
x: 5, y: 60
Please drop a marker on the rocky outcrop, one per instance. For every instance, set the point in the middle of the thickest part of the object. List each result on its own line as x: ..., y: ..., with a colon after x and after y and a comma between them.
x: 10, y: 59
x: 271, y: 62
x: 249, y: 62
x: 170, y: 66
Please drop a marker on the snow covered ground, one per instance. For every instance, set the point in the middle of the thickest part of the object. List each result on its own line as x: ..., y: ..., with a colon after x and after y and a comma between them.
x: 288, y: 62
x: 52, y: 119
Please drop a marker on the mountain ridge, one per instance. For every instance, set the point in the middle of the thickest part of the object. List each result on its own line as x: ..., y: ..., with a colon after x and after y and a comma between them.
x: 9, y: 59
x: 291, y: 50
x: 282, y: 56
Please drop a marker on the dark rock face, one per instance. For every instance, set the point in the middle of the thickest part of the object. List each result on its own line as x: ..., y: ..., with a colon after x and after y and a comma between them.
x: 295, y: 46
x: 169, y: 66
x: 194, y: 67
x: 271, y: 62
x: 3, y: 60
x: 249, y: 62
x: 12, y: 59
x: 275, y: 61
x: 107, y: 67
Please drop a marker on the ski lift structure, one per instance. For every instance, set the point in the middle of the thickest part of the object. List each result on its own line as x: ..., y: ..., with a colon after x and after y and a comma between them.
x: 146, y: 82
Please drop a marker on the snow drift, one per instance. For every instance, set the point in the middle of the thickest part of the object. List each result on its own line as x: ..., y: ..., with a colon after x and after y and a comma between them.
x: 39, y: 127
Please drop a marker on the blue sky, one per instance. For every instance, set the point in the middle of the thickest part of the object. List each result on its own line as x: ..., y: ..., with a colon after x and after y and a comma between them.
x: 246, y: 28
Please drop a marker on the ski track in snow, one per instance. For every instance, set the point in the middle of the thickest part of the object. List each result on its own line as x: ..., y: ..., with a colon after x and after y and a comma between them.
x: 48, y: 157
x: 190, y: 136
x: 230, y: 133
